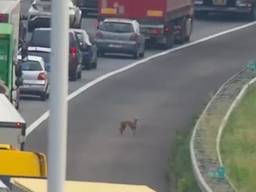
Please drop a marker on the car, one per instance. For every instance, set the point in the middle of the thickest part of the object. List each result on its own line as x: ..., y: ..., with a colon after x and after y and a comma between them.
x: 88, y: 49
x: 35, y: 77
x: 75, y: 56
x: 116, y: 35
x: 39, y: 14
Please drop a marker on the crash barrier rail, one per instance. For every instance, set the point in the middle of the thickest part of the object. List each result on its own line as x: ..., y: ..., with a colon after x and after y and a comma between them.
x: 205, y: 140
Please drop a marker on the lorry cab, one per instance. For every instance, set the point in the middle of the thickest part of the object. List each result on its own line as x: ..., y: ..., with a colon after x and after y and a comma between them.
x: 12, y: 125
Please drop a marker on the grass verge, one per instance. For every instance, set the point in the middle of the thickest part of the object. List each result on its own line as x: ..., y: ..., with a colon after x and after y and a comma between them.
x: 180, y: 172
x: 238, y: 144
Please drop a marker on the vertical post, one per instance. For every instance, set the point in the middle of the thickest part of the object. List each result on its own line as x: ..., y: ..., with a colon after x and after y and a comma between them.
x: 57, y: 134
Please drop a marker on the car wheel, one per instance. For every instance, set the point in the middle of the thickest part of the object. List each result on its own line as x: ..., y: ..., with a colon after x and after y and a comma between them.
x: 74, y: 75
x: 44, y: 96
x: 95, y: 63
x: 79, y: 75
x: 136, y: 54
x: 30, y: 27
x: 142, y: 54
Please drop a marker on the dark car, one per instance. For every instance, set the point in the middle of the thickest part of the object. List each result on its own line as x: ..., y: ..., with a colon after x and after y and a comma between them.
x: 41, y: 39
x: 88, y: 6
x: 88, y: 49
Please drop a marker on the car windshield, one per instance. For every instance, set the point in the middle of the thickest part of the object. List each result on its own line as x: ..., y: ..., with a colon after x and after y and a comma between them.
x: 41, y: 38
x: 30, y: 66
x: 116, y: 27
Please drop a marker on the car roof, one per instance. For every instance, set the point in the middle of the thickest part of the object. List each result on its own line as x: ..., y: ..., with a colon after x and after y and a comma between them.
x: 32, y: 58
x: 119, y: 20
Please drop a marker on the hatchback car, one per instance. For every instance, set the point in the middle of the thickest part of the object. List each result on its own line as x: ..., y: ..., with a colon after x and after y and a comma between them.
x: 120, y: 36
x: 88, y: 49
x: 35, y: 78
x: 75, y: 56
x: 39, y: 14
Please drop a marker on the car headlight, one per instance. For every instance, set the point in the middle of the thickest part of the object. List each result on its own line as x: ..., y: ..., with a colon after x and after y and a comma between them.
x: 242, y: 3
x: 198, y: 2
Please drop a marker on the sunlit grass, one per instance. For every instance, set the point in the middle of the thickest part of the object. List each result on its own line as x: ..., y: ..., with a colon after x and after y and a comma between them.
x: 238, y: 145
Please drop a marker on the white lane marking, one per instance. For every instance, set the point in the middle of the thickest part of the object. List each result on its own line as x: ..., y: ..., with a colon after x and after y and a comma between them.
x: 41, y: 119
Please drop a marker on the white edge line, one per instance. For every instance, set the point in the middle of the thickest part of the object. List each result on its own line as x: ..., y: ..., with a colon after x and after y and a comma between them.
x: 41, y: 119
x: 225, y: 120
x: 199, y: 176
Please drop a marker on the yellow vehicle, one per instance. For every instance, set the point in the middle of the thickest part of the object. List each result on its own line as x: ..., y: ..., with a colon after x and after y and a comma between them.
x: 40, y: 185
x: 15, y: 163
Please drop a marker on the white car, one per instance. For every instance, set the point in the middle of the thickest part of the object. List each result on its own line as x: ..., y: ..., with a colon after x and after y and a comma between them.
x: 39, y: 14
x: 35, y: 77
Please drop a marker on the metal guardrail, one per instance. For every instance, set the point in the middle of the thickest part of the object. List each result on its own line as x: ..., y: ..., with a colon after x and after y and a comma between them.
x: 205, y: 139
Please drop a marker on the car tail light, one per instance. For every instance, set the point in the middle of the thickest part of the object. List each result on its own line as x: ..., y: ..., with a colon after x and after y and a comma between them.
x: 134, y: 37
x: 99, y: 35
x: 73, y: 51
x: 41, y: 76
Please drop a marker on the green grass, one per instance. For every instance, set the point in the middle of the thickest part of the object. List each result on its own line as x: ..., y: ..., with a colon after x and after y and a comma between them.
x: 238, y: 144
x: 180, y: 167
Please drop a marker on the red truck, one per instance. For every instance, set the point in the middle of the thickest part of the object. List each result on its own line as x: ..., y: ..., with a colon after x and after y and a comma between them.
x: 162, y: 21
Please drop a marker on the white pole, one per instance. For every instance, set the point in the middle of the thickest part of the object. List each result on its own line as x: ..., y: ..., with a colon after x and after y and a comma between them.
x: 57, y: 134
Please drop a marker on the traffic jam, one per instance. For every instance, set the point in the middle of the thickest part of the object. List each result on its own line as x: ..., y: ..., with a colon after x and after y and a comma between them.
x: 124, y: 29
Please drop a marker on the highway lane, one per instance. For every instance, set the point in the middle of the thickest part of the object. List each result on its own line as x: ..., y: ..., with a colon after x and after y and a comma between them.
x: 32, y: 108
x: 165, y: 94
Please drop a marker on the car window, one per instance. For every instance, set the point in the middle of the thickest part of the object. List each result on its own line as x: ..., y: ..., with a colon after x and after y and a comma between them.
x: 80, y: 36
x: 116, y: 27
x: 41, y: 38
x: 30, y: 66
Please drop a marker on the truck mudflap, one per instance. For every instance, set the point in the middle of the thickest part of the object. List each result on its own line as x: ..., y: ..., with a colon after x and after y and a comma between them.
x: 40, y: 185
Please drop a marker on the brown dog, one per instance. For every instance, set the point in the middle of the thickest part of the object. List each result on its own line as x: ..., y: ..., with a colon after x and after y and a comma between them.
x: 131, y: 124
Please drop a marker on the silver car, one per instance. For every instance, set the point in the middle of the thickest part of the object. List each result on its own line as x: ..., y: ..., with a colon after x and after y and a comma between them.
x: 120, y: 36
x: 39, y: 14
x: 35, y: 77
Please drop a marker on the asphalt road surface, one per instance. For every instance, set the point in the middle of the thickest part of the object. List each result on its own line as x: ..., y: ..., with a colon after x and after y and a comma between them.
x: 165, y: 94
x: 32, y: 107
